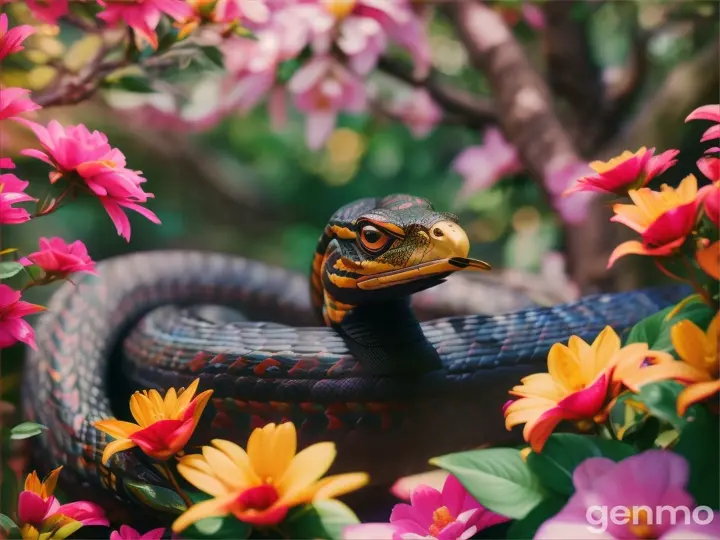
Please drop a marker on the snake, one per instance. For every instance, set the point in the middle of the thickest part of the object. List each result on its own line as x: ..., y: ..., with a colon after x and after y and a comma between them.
x: 346, y: 356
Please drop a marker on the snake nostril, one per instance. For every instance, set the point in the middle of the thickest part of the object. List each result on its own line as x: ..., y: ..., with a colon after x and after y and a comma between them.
x: 437, y: 232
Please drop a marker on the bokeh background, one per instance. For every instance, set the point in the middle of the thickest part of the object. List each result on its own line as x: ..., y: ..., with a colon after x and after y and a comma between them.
x: 242, y: 187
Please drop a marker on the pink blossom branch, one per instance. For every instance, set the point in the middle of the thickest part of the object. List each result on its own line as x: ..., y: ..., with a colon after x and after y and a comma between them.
x: 477, y: 112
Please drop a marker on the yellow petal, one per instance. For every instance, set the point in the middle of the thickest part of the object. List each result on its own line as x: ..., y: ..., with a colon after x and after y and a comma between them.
x: 158, y: 405
x: 283, y: 449
x: 241, y: 460
x: 696, y: 393
x: 330, y: 488
x: 689, y: 342
x: 224, y: 468
x: 540, y: 385
x: 264, y: 445
x: 33, y: 483
x: 170, y: 404
x: 117, y: 428
x: 606, y: 344
x: 631, y: 247
x: 210, y: 508
x: 114, y: 447
x: 307, y: 466
x: 526, y: 410
x: 200, y: 403
x: 564, y: 368
x: 662, y: 372
x: 585, y: 355
x: 202, y: 480
x: 185, y: 395
x: 709, y: 260
x: 257, y: 449
x: 141, y: 409
x: 687, y: 190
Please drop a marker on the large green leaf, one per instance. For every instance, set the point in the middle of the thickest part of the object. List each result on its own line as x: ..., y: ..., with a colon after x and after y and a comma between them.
x: 156, y: 497
x: 563, y: 452
x: 497, y: 478
x: 6, y: 523
x: 697, y: 312
x: 648, y: 330
x: 660, y: 398
x: 10, y: 268
x: 26, y: 430
x: 323, y: 519
x: 700, y: 444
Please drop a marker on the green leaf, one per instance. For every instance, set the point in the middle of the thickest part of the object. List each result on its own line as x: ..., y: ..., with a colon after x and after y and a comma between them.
x: 10, y: 268
x: 6, y: 523
x: 214, y: 55
x: 497, y: 478
x: 700, y: 444
x: 215, y: 527
x: 26, y: 430
x: 627, y: 416
x: 660, y: 398
x: 563, y: 452
x: 133, y: 83
x: 156, y: 497
x: 323, y: 519
x: 527, y: 527
x: 648, y: 330
x: 697, y: 312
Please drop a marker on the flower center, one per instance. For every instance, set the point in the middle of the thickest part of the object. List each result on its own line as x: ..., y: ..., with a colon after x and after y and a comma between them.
x: 441, y: 519
x: 339, y: 8
x: 259, y: 498
x: 639, y: 526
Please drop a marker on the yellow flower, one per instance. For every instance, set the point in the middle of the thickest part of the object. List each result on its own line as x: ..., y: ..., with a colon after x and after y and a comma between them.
x: 260, y: 486
x: 577, y: 387
x: 163, y: 427
x: 699, y: 369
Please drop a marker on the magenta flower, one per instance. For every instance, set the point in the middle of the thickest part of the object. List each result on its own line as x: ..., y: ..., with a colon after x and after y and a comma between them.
x: 13, y: 327
x: 78, y: 154
x: 711, y: 113
x: 254, y: 11
x: 48, y: 11
x: 128, y: 533
x: 15, y: 101
x: 484, y: 165
x: 636, y: 490
x: 144, y: 16
x: 11, y: 40
x: 322, y: 88
x: 12, y: 191
x: 59, y: 259
x: 6, y: 163
x: 419, y: 112
x: 450, y: 514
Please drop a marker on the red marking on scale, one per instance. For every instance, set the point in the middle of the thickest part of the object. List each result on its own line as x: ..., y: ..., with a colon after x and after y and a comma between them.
x: 333, y: 422
x: 199, y: 361
x: 263, y: 366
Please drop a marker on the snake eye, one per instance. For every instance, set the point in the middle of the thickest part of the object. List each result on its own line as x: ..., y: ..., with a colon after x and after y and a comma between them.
x: 372, y: 239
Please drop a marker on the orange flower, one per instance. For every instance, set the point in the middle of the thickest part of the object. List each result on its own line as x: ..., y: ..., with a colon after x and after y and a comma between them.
x: 663, y: 218
x: 626, y: 171
x: 709, y: 260
x: 260, y: 486
x: 577, y: 387
x: 699, y: 368
x: 163, y: 426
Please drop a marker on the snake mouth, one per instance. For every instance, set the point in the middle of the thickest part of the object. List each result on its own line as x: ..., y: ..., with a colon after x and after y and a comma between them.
x: 421, y: 271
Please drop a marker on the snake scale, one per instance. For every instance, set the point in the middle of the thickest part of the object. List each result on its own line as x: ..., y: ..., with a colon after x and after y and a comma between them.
x: 389, y: 390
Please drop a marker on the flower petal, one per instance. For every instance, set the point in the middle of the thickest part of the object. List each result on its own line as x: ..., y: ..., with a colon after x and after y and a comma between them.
x: 210, y: 508
x: 114, y: 447
x: 241, y: 460
x: 308, y: 465
x: 117, y: 428
x: 696, y: 393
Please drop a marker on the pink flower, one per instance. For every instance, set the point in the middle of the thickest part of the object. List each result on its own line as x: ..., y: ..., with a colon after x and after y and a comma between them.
x: 85, y: 512
x: 76, y: 152
x: 707, y: 112
x: 633, y: 490
x: 710, y: 166
x: 59, y: 259
x: 12, y: 326
x: 128, y: 533
x: 6, y: 163
x: 450, y: 514
x: 15, y: 101
x: 322, y: 88
x: 419, y: 112
x: 484, y: 165
x: 254, y: 11
x: 11, y: 40
x: 48, y: 11
x: 626, y: 171
x: 710, y: 196
x: 534, y: 16
x: 12, y: 191
x: 144, y: 16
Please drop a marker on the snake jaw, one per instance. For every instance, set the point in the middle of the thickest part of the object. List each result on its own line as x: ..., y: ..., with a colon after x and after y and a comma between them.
x: 438, y: 268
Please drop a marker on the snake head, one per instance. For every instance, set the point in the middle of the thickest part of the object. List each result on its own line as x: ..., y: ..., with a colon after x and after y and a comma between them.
x: 375, y: 250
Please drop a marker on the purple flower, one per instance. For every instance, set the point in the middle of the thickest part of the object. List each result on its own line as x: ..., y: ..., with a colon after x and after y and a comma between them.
x: 643, y: 496
x: 448, y: 515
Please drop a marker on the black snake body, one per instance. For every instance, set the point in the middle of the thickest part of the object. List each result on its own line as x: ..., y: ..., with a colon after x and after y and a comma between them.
x: 138, y: 325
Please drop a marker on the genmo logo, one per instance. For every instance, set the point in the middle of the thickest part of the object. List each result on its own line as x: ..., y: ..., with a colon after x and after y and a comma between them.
x: 645, y: 518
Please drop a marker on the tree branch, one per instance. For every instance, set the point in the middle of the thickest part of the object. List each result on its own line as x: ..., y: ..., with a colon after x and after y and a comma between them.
x: 478, y: 112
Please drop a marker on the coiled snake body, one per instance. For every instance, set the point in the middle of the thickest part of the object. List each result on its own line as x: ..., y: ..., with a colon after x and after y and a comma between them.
x: 391, y: 392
